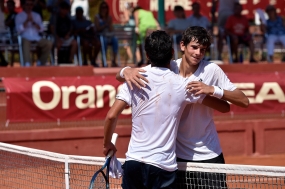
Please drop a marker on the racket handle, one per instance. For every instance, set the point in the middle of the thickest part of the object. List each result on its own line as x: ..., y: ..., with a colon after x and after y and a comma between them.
x: 114, y: 140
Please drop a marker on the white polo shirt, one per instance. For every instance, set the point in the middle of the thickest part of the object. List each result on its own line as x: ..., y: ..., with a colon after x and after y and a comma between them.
x: 197, y: 138
x: 156, y: 112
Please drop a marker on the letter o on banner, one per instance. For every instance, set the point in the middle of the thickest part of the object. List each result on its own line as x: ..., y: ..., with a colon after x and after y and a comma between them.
x: 37, y: 96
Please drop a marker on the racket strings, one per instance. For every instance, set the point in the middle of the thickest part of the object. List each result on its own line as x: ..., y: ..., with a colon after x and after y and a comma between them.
x: 100, y: 182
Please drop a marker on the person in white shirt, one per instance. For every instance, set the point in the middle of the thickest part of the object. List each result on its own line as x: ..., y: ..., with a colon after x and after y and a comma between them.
x: 197, y: 19
x: 156, y: 111
x: 29, y: 25
x: 197, y: 139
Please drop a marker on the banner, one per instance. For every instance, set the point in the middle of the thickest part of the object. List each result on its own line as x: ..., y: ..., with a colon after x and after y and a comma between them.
x: 85, y: 98
x: 117, y: 7
x: 60, y: 98
x: 265, y: 92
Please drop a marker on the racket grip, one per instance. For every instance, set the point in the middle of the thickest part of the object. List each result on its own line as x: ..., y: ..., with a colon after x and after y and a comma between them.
x: 114, y: 140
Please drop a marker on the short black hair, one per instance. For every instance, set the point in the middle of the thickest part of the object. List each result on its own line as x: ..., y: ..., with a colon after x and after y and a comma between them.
x: 198, y: 34
x: 178, y: 8
x: 79, y: 9
x: 195, y: 4
x: 158, y: 47
x: 64, y: 5
x: 12, y: 2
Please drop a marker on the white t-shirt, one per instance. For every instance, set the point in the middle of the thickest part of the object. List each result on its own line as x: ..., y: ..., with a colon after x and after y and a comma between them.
x: 156, y: 112
x: 197, y: 138
x: 178, y: 24
x: 201, y: 21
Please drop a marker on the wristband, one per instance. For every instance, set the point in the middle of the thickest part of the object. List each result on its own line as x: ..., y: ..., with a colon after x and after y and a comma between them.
x: 218, y: 92
x: 122, y: 71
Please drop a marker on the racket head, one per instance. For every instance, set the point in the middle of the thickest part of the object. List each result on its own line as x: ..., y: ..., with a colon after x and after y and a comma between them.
x: 101, y: 178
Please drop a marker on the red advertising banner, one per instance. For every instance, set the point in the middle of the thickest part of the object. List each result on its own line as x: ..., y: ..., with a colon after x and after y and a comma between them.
x: 249, y: 6
x: 85, y: 98
x: 265, y: 91
x: 60, y: 98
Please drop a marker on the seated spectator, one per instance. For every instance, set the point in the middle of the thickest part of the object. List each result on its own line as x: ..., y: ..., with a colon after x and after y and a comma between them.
x: 128, y: 20
x: 275, y: 30
x: 84, y: 4
x: 29, y: 25
x: 53, y: 5
x: 178, y: 24
x: 39, y: 6
x: 3, y: 62
x: 64, y: 30
x: 237, y: 27
x: 225, y: 10
x: 88, y: 39
x: 10, y: 19
x: 104, y: 25
x: 197, y: 19
x: 145, y: 24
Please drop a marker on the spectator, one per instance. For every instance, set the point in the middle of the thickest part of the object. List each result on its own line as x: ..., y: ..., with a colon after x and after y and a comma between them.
x: 10, y: 20
x: 63, y: 30
x: 225, y: 9
x: 178, y: 24
x: 39, y: 6
x: 127, y: 19
x: 88, y: 39
x: 29, y: 25
x: 237, y: 27
x: 197, y: 19
x: 275, y: 30
x: 84, y: 4
x: 145, y: 23
x: 3, y: 62
x: 53, y: 5
x: 104, y: 25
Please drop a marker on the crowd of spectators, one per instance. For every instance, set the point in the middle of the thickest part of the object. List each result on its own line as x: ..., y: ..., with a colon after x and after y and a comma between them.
x: 233, y: 27
x: 70, y: 21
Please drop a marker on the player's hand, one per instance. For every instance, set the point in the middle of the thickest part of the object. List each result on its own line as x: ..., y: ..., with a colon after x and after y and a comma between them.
x: 198, y: 87
x: 133, y: 76
x: 108, y: 147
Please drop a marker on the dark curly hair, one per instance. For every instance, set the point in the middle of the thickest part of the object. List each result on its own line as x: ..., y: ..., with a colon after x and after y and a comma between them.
x: 197, y: 34
x: 158, y: 47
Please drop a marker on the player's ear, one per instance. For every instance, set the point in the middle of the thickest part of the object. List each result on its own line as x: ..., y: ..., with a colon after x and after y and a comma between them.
x: 147, y: 56
x: 172, y: 52
x: 182, y: 46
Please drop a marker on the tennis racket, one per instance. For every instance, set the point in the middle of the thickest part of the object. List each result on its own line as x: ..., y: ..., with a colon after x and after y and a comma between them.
x: 100, y: 179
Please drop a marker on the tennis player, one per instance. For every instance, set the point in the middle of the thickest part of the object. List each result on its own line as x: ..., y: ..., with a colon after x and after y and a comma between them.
x: 197, y: 139
x: 156, y: 111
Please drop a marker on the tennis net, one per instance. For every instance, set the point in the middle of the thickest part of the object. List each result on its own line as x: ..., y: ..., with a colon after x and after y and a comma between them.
x: 23, y: 167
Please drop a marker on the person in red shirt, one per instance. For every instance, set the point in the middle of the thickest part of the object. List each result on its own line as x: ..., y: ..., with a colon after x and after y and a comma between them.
x: 237, y: 28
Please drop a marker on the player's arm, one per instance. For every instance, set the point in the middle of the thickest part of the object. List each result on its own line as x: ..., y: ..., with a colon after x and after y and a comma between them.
x: 236, y: 96
x: 110, y: 125
x: 217, y: 104
x: 132, y: 76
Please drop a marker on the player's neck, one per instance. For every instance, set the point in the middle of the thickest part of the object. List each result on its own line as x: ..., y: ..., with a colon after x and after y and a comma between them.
x: 186, y: 70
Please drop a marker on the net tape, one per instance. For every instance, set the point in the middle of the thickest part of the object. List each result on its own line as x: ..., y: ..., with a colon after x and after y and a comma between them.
x: 42, y: 169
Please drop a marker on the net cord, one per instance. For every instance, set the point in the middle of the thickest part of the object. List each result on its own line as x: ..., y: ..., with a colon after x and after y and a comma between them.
x: 201, y: 167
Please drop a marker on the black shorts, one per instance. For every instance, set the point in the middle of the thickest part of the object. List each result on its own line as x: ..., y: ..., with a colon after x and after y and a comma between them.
x: 202, y: 180
x: 139, y: 175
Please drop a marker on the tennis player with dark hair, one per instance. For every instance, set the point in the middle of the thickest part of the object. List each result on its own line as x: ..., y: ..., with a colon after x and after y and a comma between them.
x: 197, y: 138
x: 156, y: 111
